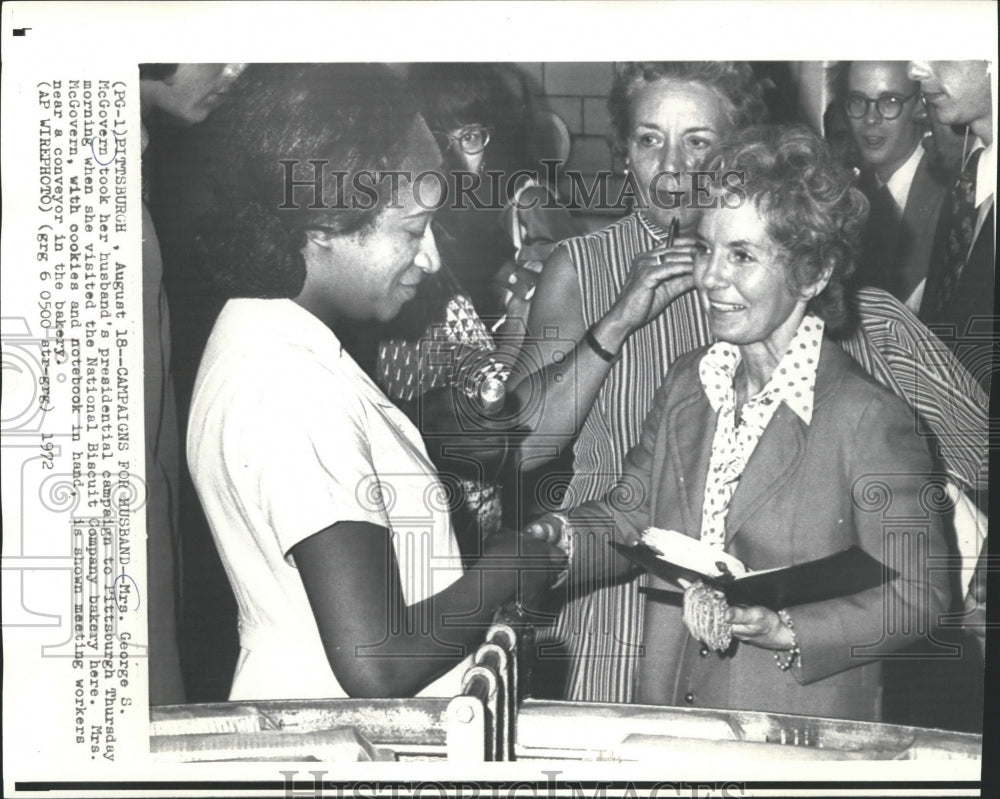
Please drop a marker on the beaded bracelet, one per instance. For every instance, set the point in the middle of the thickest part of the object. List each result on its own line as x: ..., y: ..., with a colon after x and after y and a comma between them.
x: 793, y: 655
x: 595, y: 345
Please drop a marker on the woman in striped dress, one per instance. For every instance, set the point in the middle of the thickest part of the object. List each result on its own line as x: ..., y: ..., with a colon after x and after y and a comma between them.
x: 613, y: 310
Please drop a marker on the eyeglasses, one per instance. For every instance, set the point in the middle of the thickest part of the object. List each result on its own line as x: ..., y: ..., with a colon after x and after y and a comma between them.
x: 471, y: 140
x: 889, y: 106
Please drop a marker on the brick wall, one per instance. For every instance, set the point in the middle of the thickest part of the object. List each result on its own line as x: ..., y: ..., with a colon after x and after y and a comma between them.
x: 578, y: 93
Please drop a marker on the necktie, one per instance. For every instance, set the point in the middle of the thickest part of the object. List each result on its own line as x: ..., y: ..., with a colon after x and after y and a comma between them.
x: 962, y: 200
x: 881, y: 242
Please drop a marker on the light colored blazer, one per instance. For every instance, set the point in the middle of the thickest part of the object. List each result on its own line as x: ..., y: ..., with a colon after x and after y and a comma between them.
x: 858, y: 474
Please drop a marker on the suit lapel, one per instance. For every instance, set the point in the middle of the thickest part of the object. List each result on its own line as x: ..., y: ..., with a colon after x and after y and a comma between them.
x: 920, y: 215
x: 782, y: 445
x: 690, y: 430
x: 926, y: 191
x: 772, y: 463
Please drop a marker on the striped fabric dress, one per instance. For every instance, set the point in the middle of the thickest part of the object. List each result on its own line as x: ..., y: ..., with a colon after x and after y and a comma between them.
x: 602, y: 628
x: 895, y: 348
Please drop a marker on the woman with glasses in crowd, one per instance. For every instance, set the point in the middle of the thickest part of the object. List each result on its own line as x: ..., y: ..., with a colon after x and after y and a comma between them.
x: 330, y: 519
x: 483, y: 118
x: 460, y: 333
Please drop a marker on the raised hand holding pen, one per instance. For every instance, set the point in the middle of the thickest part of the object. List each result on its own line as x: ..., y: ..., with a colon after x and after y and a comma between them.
x: 657, y: 278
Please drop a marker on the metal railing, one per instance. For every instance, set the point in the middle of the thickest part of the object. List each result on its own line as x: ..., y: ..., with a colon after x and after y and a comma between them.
x: 494, y: 719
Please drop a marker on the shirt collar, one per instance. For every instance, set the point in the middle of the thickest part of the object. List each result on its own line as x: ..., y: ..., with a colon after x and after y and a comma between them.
x: 986, y: 173
x: 901, y: 180
x: 793, y: 380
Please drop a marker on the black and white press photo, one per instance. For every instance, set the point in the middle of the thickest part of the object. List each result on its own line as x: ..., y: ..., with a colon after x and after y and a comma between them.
x: 473, y: 404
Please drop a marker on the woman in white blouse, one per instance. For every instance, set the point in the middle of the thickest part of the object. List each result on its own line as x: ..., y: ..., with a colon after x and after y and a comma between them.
x: 329, y: 517
x: 773, y: 446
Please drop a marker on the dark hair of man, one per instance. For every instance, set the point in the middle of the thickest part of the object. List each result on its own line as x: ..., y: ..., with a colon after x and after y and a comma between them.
x: 807, y: 200
x: 733, y: 80
x: 838, y: 82
x: 352, y: 118
x: 156, y: 71
x: 839, y: 74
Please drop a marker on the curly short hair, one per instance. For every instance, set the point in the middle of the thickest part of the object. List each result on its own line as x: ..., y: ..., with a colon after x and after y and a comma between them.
x: 808, y: 201
x: 733, y: 80
x: 350, y: 117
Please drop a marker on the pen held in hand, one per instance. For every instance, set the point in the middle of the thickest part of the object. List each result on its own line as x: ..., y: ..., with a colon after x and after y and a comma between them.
x: 672, y: 232
x: 668, y: 242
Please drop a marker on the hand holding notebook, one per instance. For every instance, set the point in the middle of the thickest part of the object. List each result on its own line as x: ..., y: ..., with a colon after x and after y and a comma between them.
x: 677, y: 557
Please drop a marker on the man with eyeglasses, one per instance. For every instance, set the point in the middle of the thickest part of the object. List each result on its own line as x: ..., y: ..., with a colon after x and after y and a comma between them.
x: 903, y: 181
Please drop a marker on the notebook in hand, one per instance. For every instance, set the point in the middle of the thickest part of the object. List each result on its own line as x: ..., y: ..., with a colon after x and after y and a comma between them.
x: 840, y: 574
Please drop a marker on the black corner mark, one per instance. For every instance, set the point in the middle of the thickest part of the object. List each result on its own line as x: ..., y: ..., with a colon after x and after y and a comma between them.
x: 21, y: 31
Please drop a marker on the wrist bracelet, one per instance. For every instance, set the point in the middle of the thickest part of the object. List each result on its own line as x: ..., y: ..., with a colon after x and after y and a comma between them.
x: 595, y: 345
x: 793, y: 656
x: 565, y: 543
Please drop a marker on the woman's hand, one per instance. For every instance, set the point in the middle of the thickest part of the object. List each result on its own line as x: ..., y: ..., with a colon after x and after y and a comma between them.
x: 761, y: 627
x: 541, y: 563
x: 520, y: 288
x: 353, y: 582
x: 657, y: 278
x: 517, y: 278
x: 548, y: 528
x: 462, y: 439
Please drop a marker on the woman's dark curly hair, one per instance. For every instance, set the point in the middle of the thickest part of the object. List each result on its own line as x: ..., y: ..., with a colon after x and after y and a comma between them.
x: 348, y: 117
x: 808, y: 202
x: 733, y: 80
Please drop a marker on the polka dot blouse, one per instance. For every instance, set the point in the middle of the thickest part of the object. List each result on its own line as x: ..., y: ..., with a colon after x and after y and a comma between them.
x: 793, y: 382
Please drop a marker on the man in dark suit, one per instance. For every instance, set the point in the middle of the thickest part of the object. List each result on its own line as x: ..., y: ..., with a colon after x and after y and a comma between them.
x: 960, y: 283
x: 903, y: 182
x: 959, y: 299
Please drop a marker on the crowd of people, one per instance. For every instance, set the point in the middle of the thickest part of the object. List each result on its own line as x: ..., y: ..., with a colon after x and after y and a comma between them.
x: 781, y: 368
